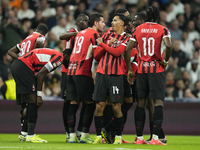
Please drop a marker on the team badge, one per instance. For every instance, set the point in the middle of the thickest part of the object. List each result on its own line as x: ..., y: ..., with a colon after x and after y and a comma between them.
x: 33, y: 87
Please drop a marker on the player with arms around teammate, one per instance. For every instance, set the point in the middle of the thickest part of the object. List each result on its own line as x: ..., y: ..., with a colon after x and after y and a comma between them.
x: 150, y: 37
x: 29, y: 85
x: 80, y: 85
x: 35, y: 40
x: 69, y: 37
x: 110, y: 75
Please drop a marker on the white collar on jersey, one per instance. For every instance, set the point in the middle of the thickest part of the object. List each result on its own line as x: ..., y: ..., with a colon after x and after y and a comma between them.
x: 123, y: 33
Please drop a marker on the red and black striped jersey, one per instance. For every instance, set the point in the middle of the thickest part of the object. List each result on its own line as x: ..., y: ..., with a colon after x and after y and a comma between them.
x: 150, y: 46
x: 38, y: 58
x: 28, y: 43
x: 112, y: 61
x: 69, y: 44
x: 82, y: 54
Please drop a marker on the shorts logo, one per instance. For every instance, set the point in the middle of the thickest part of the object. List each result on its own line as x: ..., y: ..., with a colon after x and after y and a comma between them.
x: 115, y: 90
x: 33, y: 87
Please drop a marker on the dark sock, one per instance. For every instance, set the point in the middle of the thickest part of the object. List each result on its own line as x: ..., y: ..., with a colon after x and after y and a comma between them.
x: 110, y: 125
x: 118, y: 125
x: 158, y: 119
x: 80, y: 124
x: 151, y: 129
x: 88, y: 117
x: 139, y: 120
x: 144, y: 118
x: 25, y: 123
x: 21, y: 117
x: 32, y: 117
x: 71, y: 117
x: 64, y: 114
x: 161, y: 133
x: 107, y: 114
x: 31, y: 128
x: 125, y: 108
x: 98, y: 124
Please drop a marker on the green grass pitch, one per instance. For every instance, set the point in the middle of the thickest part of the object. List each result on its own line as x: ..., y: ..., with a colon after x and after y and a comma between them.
x: 57, y: 142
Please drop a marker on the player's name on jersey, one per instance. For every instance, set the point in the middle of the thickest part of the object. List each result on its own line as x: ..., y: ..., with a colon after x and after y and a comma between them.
x: 149, y: 30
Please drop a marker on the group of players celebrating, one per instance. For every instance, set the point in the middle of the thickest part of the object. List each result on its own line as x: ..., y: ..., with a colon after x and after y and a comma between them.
x: 117, y: 54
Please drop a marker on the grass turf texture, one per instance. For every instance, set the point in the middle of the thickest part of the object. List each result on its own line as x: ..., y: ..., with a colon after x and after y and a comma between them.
x: 57, y: 142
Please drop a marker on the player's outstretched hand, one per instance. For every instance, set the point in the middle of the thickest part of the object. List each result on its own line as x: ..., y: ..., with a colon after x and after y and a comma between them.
x: 164, y: 64
x: 39, y: 101
x: 130, y: 77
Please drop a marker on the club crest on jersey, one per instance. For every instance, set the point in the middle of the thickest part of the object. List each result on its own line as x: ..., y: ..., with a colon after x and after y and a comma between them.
x: 33, y: 87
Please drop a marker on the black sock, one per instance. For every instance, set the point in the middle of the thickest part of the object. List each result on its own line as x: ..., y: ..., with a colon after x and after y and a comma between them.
x: 161, y: 133
x: 144, y: 118
x: 32, y: 117
x: 158, y: 119
x: 25, y: 123
x: 118, y: 125
x: 80, y: 124
x: 64, y: 114
x: 23, y: 106
x: 125, y: 108
x: 71, y: 117
x: 21, y: 117
x: 151, y: 129
x: 110, y: 125
x: 139, y: 120
x: 107, y: 114
x: 98, y: 124
x: 88, y: 117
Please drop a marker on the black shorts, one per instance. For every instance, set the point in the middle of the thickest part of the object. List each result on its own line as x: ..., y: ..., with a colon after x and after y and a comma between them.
x: 134, y: 92
x: 127, y: 88
x: 151, y: 85
x: 63, y: 85
x: 79, y: 88
x: 109, y: 85
x: 24, y: 78
x: 21, y: 99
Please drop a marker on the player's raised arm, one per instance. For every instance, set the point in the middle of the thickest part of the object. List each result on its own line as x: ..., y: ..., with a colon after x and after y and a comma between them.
x: 67, y: 36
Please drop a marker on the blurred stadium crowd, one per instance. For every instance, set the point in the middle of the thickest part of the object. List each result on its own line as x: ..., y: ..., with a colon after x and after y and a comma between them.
x: 19, y: 18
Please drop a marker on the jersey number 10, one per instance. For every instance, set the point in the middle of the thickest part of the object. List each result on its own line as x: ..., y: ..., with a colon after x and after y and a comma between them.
x: 151, y: 44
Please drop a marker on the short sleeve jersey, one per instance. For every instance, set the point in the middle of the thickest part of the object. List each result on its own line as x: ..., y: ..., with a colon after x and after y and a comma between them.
x: 69, y: 44
x: 38, y: 58
x: 28, y: 43
x: 110, y: 64
x: 82, y: 54
x: 149, y: 37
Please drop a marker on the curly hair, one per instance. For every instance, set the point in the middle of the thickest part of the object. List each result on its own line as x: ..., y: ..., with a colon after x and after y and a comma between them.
x: 152, y: 14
